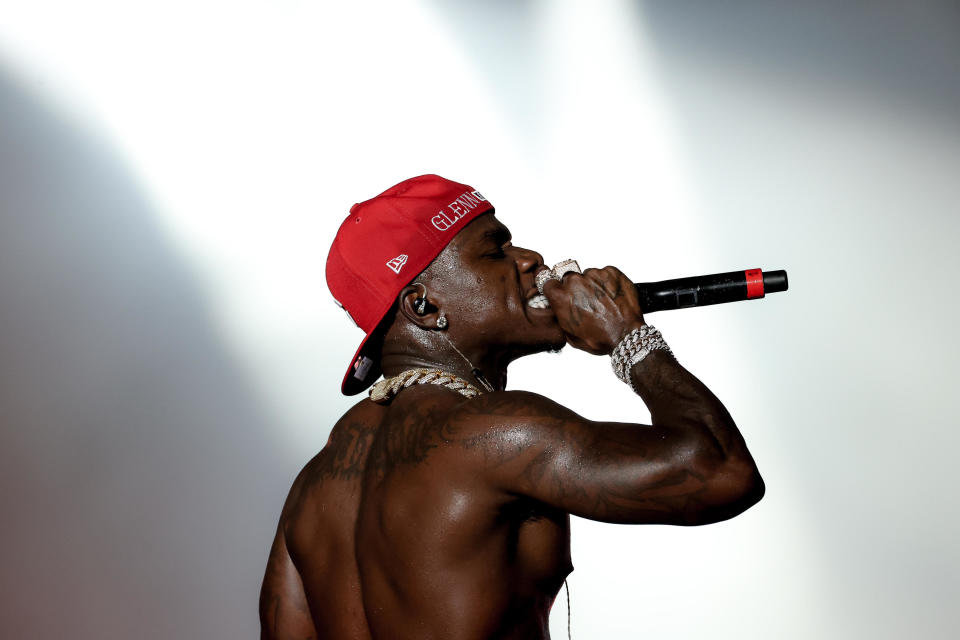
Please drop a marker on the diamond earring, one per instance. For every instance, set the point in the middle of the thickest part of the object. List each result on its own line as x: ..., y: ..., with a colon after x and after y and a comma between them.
x: 442, y: 321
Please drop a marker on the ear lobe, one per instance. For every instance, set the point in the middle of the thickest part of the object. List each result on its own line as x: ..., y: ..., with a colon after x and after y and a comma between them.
x: 416, y: 309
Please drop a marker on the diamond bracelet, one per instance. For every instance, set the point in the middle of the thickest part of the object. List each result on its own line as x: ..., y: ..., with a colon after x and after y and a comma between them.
x: 634, y: 347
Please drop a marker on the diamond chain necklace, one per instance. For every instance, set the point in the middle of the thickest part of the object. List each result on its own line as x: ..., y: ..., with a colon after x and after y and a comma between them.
x: 385, y: 390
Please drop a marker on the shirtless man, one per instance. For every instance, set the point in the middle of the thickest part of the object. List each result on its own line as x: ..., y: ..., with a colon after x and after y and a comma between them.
x: 431, y: 514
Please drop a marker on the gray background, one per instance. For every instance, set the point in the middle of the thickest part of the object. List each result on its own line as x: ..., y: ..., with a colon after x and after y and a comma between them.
x: 170, y: 181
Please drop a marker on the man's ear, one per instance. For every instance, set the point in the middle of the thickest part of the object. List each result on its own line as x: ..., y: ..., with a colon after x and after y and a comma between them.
x: 416, y: 309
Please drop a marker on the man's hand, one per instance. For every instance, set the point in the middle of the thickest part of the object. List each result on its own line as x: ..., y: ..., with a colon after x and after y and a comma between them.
x: 596, y: 309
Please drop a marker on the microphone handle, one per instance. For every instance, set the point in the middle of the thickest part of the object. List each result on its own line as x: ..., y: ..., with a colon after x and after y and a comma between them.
x: 699, y: 291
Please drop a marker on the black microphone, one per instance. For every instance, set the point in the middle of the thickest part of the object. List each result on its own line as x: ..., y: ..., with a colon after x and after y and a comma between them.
x: 699, y: 291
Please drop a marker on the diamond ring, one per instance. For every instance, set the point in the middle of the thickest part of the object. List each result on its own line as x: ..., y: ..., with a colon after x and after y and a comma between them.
x: 541, y: 278
x: 566, y: 266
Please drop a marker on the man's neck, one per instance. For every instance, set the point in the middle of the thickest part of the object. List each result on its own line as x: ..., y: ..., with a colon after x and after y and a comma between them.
x: 447, y: 358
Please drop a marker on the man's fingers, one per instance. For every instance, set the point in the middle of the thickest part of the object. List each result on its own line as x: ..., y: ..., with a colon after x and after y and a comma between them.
x: 551, y: 285
x: 612, y: 270
x: 568, y: 283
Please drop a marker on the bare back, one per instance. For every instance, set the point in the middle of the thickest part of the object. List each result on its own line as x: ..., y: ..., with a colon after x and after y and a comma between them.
x: 394, y: 531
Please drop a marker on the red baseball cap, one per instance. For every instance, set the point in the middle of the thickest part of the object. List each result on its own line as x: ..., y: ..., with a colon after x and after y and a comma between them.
x: 383, y: 245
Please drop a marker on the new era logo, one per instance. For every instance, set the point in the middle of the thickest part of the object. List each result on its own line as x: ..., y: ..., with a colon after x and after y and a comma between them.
x: 397, y: 263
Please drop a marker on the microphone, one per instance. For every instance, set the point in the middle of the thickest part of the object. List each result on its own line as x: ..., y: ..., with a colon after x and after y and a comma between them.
x: 700, y: 291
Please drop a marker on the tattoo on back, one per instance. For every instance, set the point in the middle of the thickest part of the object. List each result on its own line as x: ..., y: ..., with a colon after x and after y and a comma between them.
x: 406, y: 438
x: 414, y: 430
x: 345, y: 455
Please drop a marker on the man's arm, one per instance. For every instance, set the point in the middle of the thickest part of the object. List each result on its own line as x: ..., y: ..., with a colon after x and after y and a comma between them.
x: 691, y: 466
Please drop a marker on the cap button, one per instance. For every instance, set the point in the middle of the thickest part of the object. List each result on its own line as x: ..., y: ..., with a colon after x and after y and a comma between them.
x: 353, y: 211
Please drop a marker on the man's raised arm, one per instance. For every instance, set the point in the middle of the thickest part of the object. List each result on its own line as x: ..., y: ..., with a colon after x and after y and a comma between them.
x: 691, y: 466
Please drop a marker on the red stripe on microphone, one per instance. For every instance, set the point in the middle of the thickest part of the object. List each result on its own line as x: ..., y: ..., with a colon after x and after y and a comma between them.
x: 754, y: 283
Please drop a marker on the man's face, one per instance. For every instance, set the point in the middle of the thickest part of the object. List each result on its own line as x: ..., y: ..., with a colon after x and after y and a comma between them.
x: 487, y: 285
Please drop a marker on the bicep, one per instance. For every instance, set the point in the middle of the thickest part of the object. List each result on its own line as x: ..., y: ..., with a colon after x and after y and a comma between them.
x: 612, y: 472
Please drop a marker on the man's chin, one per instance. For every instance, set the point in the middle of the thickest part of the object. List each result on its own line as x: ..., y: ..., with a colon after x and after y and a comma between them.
x: 551, y: 347
x: 556, y: 347
x: 545, y: 346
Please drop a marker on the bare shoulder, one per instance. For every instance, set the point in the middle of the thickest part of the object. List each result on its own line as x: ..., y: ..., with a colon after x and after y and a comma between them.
x: 506, y: 435
x: 522, y: 419
x: 424, y: 419
x: 516, y: 403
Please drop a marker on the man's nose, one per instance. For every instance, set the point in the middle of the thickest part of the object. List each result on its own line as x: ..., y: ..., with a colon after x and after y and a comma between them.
x: 527, y: 259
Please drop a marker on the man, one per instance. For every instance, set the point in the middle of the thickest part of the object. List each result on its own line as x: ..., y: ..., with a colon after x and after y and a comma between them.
x: 440, y: 506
